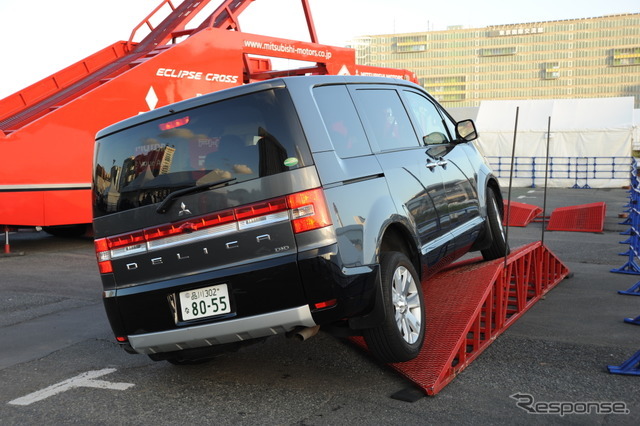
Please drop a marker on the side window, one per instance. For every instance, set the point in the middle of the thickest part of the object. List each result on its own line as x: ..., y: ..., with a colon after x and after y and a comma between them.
x: 429, y: 121
x: 342, y: 121
x: 387, y: 118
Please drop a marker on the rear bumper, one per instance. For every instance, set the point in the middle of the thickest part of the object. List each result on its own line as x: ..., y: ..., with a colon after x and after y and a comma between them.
x: 230, y: 331
x: 269, y: 297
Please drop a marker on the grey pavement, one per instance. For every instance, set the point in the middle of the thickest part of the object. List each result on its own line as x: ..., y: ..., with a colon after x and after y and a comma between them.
x: 53, y: 328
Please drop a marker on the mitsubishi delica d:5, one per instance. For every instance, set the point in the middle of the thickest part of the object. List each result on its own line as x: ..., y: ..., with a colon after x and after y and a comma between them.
x: 283, y: 207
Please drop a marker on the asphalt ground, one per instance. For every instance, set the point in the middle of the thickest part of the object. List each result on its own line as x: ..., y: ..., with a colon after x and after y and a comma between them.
x: 53, y: 330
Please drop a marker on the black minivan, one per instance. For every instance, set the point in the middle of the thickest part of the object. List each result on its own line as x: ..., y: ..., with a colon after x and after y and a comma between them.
x: 282, y: 207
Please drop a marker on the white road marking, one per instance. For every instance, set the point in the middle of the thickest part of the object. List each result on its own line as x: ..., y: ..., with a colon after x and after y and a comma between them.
x: 86, y: 380
x: 531, y: 191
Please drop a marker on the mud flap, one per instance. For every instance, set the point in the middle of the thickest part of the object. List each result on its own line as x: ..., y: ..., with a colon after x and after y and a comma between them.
x: 377, y: 315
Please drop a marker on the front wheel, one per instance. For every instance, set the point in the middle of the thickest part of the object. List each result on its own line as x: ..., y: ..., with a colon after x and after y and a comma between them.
x: 401, y: 335
x: 499, y: 246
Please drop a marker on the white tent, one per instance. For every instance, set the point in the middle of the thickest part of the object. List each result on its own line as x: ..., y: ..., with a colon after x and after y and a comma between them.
x: 636, y: 129
x: 589, y: 142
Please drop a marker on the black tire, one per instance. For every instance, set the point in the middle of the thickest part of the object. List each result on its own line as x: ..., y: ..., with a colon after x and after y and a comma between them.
x: 499, y: 246
x: 401, y: 335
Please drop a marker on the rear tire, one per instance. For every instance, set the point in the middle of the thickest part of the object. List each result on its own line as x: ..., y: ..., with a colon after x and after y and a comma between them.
x: 401, y: 335
x: 499, y: 246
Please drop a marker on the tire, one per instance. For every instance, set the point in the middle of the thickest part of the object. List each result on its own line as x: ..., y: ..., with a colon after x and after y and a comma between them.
x: 499, y: 246
x: 401, y: 335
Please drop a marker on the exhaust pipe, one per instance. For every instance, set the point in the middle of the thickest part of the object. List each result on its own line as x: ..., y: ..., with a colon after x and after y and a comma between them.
x: 304, y: 333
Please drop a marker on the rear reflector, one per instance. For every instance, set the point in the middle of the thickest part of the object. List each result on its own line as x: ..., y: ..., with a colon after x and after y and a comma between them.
x: 325, y: 304
x: 306, y: 210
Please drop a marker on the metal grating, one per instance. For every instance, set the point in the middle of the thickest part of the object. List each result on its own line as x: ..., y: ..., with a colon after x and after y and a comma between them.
x: 519, y: 214
x: 582, y: 218
x: 464, y: 316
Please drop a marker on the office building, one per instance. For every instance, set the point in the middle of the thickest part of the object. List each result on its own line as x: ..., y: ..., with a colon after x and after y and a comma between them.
x: 577, y: 58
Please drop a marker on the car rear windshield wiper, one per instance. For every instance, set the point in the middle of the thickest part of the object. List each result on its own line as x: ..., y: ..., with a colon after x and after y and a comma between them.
x: 166, y: 203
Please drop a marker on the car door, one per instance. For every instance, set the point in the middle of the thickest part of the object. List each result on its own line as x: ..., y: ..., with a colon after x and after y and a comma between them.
x: 438, y: 135
x: 417, y: 189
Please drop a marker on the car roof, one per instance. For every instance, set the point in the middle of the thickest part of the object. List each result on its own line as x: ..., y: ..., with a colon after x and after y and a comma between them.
x: 296, y: 82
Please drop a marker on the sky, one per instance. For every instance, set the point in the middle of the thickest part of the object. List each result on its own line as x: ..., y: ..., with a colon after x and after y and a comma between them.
x: 41, y: 37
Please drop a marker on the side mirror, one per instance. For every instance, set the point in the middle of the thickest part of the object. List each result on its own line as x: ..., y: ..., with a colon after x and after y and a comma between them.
x: 466, y: 130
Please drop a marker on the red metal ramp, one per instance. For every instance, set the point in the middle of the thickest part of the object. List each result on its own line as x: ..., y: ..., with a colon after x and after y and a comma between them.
x: 519, y: 214
x: 464, y: 316
x: 55, y: 91
x: 581, y: 218
x: 50, y: 126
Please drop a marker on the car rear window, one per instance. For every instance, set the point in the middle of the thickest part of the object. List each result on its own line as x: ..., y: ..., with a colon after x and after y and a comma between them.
x: 245, y: 138
x: 341, y: 120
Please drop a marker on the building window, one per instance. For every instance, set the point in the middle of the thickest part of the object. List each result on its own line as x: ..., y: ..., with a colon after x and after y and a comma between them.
x: 408, y: 44
x: 455, y: 97
x: 498, y: 51
x: 446, y: 85
x: 626, y: 56
x: 551, y: 71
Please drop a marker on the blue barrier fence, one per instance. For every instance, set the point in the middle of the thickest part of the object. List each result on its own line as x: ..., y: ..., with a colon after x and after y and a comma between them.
x: 631, y: 266
x: 579, y: 172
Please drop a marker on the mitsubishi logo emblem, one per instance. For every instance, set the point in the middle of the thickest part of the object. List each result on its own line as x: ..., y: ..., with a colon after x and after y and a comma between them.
x: 183, y: 210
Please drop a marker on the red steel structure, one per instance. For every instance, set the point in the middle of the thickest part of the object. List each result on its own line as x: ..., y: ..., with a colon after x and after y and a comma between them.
x: 519, y: 214
x: 47, y: 129
x: 464, y: 316
x: 581, y: 218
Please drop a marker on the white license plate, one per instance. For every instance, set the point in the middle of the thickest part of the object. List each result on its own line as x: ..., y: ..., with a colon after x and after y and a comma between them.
x: 204, y: 302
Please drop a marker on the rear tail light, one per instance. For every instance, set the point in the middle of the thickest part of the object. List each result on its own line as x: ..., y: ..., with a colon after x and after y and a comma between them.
x: 103, y: 255
x: 307, y: 211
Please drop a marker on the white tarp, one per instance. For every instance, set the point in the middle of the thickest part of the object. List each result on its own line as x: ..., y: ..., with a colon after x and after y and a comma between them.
x: 589, y: 144
x: 636, y: 129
